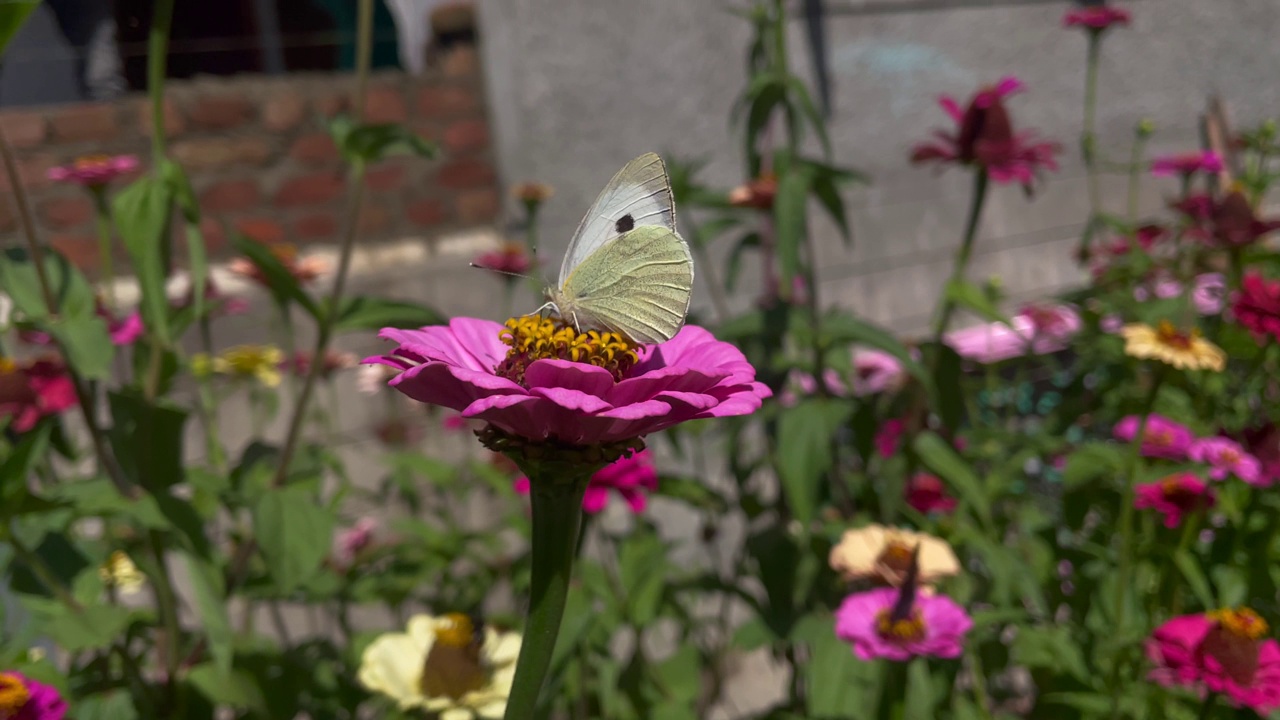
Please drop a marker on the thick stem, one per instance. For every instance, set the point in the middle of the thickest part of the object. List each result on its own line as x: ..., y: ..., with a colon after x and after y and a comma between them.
x: 557, y: 514
x: 157, y: 57
x: 1136, y: 168
x: 963, y: 253
x: 104, y: 245
x: 1089, y: 138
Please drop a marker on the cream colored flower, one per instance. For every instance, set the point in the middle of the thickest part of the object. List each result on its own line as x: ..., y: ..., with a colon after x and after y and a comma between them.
x: 1185, y: 350
x: 120, y: 572
x: 444, y: 666
x: 883, y: 555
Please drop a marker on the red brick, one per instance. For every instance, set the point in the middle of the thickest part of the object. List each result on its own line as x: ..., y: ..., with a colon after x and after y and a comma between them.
x: 385, y: 176
x: 445, y: 100
x: 467, y: 135
x: 23, y: 129
x: 313, y: 189
x: 314, y: 149
x: 385, y: 105
x: 374, y: 219
x: 8, y: 213
x: 477, y: 206
x: 81, y: 249
x: 426, y: 212
x: 460, y: 62
x: 84, y: 123
x: 316, y: 226
x: 331, y: 105
x: 284, y: 112
x: 173, y: 122
x: 230, y: 196
x: 34, y: 171
x: 220, y: 112
x: 214, y: 234
x: 261, y: 229
x: 221, y: 152
x: 466, y: 173
x: 62, y: 213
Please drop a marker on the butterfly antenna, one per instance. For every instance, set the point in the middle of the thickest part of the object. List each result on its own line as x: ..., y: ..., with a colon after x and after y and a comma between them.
x: 504, y: 272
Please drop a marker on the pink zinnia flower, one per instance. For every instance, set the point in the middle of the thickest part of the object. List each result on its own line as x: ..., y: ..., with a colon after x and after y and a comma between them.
x: 631, y: 477
x: 349, y: 543
x: 536, y: 392
x: 94, y: 171
x: 33, y: 390
x: 1162, y: 437
x: 881, y: 623
x: 334, y: 361
x: 1174, y: 497
x: 1226, y: 221
x: 1226, y: 457
x: 1208, y: 293
x: 1222, y: 651
x: 1095, y: 17
x: 454, y: 422
x: 1187, y: 164
x: 1263, y: 443
x: 305, y: 270
x: 984, y: 136
x: 22, y: 698
x: 1257, y: 306
x: 1038, y: 329
x: 123, y: 331
x: 876, y: 371
x: 889, y: 436
x: 927, y: 494
x: 509, y: 261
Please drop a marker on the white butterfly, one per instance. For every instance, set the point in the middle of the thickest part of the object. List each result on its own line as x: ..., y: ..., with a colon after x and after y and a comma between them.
x: 626, y: 269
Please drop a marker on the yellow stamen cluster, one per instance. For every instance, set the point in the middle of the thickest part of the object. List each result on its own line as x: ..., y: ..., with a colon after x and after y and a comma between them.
x: 7, y: 365
x: 908, y: 629
x: 455, y: 630
x: 13, y: 694
x: 259, y: 362
x: 88, y: 162
x: 534, y: 337
x: 1241, y: 622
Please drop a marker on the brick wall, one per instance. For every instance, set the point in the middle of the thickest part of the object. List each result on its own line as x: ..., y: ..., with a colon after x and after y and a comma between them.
x: 260, y: 159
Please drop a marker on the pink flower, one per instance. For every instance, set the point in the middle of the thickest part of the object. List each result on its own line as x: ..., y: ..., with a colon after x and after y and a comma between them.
x: 1222, y: 651
x: 984, y: 136
x: 876, y: 371
x: 305, y: 270
x: 126, y: 331
x: 927, y: 494
x: 349, y: 543
x: 94, y: 171
x: 33, y: 390
x: 1095, y: 18
x: 22, y: 698
x: 538, y: 394
x: 889, y: 435
x: 334, y: 361
x: 1209, y: 293
x: 454, y: 422
x: 1226, y: 221
x: 631, y: 477
x: 801, y: 384
x: 1226, y: 457
x: 1174, y: 497
x: 1186, y: 164
x: 1037, y: 329
x: 1264, y: 444
x: 1162, y: 438
x: 510, y: 260
x: 1257, y: 306
x: 878, y: 627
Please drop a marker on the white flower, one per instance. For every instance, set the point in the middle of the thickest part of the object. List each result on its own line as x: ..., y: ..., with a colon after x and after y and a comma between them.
x: 444, y: 666
x: 883, y: 555
x: 6, y: 310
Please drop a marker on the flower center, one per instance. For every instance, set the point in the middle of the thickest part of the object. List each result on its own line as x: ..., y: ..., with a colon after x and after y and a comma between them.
x: 7, y: 366
x: 900, y: 629
x: 249, y: 359
x: 91, y: 162
x: 1179, y: 494
x: 1233, y: 642
x: 454, y: 667
x: 13, y: 695
x: 894, y: 560
x: 1169, y: 335
x: 1228, y: 456
x: 533, y: 337
x: 1161, y: 438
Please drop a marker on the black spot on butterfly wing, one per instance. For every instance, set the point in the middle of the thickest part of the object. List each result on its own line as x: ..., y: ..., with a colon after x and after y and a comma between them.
x: 626, y: 223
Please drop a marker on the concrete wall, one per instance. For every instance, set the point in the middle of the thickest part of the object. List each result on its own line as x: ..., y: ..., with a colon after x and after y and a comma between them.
x: 578, y: 88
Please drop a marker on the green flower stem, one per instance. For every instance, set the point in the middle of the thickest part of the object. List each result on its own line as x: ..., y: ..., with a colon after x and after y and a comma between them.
x: 963, y: 253
x: 1089, y: 137
x: 893, y: 690
x: 557, y: 515
x: 1206, y: 707
x: 157, y: 57
x: 103, y: 222
x: 1136, y: 171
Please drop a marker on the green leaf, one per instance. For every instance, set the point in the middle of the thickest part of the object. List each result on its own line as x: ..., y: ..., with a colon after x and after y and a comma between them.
x: 642, y: 562
x: 800, y: 94
x: 209, y: 589
x: 236, y: 688
x: 1049, y: 648
x: 27, y: 451
x: 805, y: 432
x: 371, y: 143
x: 680, y: 678
x: 940, y: 458
x: 692, y: 491
x: 111, y: 705
x: 1191, y: 572
x: 20, y: 281
x: 86, y: 343
x: 89, y: 628
x: 281, y: 283
x: 148, y: 439
x: 294, y: 533
x: 197, y: 258
x: 373, y: 313
x: 13, y: 15
x: 141, y: 213
x: 947, y: 391
x: 791, y: 223
x: 839, y: 684
x: 968, y: 296
x: 1090, y: 462
x: 842, y: 328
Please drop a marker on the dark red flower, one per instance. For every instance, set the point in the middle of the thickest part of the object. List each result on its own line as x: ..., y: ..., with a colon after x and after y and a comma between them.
x: 927, y: 494
x: 758, y: 193
x: 985, y: 137
x: 1226, y: 221
x: 1257, y: 306
x: 1096, y: 17
x: 30, y: 391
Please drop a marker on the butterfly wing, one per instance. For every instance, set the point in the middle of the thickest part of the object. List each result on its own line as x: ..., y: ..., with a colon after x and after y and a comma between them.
x: 639, y: 195
x: 638, y: 284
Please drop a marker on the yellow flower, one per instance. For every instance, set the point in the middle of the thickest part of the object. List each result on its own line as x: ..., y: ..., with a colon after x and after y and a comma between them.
x: 258, y: 362
x: 120, y: 571
x: 445, y: 666
x: 883, y: 555
x: 1183, y: 349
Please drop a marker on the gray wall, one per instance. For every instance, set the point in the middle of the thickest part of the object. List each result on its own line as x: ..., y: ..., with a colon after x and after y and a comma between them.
x: 578, y: 87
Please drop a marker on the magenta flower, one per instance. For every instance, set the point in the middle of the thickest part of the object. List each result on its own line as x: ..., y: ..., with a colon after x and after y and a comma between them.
x: 889, y: 436
x: 22, y: 698
x: 1227, y: 221
x: 1038, y: 329
x: 927, y: 494
x: 984, y: 136
x: 94, y: 171
x: 1174, y: 497
x: 631, y: 477
x: 1095, y: 18
x: 1187, y: 164
x: 932, y: 625
x: 1162, y: 438
x: 1222, y: 651
x: 876, y: 371
x: 349, y: 543
x: 520, y: 380
x: 509, y: 261
x: 1226, y: 457
x: 1264, y: 444
x: 801, y: 384
x: 32, y: 390
x: 126, y: 331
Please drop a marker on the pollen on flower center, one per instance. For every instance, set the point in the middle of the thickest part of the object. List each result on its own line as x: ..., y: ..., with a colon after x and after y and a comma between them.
x: 1169, y: 335
x: 900, y: 630
x: 455, y: 630
x: 1163, y: 438
x: 7, y: 365
x: 1241, y: 622
x: 13, y: 694
x: 534, y: 337
x: 1233, y: 641
x: 87, y: 162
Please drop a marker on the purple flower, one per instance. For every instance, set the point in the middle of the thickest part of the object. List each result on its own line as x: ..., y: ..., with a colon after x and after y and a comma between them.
x: 520, y: 378
x: 631, y: 477
x: 1162, y: 438
x: 94, y: 171
x: 1186, y: 164
x: 1226, y: 457
x: 932, y: 625
x: 22, y: 698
